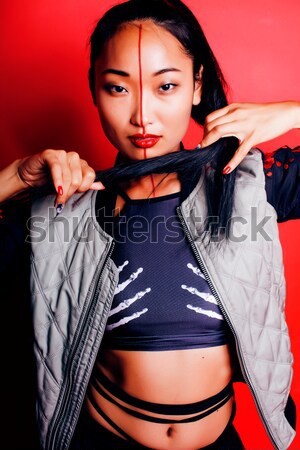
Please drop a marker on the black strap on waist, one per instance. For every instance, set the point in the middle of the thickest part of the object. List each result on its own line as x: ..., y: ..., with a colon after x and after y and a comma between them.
x: 152, y: 418
x: 161, y: 408
x: 122, y: 432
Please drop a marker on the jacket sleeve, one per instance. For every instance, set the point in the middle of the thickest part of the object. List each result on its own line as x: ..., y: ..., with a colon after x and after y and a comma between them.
x: 282, y: 174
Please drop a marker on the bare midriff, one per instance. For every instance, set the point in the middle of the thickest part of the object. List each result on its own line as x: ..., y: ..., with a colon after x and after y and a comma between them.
x: 172, y: 377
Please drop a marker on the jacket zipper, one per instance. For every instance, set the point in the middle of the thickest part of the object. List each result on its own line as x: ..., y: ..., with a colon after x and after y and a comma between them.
x: 239, y: 353
x: 58, y: 422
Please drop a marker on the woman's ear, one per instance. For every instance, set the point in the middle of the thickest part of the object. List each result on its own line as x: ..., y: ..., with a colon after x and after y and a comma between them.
x: 198, y: 87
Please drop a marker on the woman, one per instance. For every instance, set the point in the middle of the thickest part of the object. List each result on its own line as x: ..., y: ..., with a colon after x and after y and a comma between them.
x: 151, y: 386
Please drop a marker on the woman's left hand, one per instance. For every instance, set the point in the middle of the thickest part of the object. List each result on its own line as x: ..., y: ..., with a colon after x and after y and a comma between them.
x: 251, y: 123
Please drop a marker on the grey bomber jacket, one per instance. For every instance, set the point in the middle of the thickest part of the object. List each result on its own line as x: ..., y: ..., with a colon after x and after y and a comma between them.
x: 73, y: 280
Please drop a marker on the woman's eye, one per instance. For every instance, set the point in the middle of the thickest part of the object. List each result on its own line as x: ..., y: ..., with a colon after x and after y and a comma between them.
x: 168, y: 87
x: 113, y: 88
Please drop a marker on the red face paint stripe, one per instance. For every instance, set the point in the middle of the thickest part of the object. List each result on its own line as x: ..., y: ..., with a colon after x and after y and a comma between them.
x: 153, y: 185
x: 141, y: 78
x: 141, y: 99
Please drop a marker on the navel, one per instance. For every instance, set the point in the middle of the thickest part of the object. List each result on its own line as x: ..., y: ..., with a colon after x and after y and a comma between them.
x: 170, y: 432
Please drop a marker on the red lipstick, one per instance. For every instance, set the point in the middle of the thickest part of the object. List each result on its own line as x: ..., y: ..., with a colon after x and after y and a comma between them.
x: 144, y: 140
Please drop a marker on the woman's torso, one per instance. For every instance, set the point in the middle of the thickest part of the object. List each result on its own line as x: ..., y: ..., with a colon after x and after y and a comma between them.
x: 177, y: 376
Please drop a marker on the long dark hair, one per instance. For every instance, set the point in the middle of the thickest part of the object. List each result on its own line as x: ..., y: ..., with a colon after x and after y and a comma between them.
x: 175, y: 17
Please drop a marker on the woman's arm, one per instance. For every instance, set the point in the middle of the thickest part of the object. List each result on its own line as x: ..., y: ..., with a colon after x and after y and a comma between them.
x: 10, y: 182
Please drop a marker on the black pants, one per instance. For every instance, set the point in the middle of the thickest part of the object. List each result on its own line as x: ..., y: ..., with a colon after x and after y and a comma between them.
x: 90, y: 435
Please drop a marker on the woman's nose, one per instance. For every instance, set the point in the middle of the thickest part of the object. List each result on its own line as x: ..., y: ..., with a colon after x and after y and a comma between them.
x: 141, y: 115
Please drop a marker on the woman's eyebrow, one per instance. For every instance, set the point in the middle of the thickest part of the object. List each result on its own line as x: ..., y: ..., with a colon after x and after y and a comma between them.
x: 115, y: 72
x: 125, y: 74
x: 168, y: 69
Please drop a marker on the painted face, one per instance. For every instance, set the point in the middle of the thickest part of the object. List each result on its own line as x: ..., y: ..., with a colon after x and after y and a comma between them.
x: 145, y: 90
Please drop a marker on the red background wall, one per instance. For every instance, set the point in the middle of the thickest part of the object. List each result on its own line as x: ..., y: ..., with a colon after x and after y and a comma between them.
x: 45, y: 102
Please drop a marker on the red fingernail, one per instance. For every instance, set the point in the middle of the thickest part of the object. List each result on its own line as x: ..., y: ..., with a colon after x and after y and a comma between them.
x: 60, y: 190
x: 226, y: 170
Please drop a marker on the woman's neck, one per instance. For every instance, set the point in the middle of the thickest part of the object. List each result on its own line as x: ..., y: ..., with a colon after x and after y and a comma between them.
x: 153, y: 185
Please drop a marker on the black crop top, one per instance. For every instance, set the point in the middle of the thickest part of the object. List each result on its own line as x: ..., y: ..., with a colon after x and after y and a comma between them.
x: 162, y: 301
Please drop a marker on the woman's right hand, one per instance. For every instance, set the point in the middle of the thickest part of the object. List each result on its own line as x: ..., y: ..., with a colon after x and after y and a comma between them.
x: 251, y: 123
x: 66, y: 170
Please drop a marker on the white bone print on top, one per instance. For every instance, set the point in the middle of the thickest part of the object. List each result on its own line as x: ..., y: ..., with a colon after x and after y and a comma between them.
x: 196, y: 270
x: 121, y: 267
x: 206, y: 312
x: 126, y: 303
x: 204, y: 295
x: 126, y: 319
x: 132, y: 277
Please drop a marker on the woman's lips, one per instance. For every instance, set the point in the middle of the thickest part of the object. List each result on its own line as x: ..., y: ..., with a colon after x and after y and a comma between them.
x: 144, y: 140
